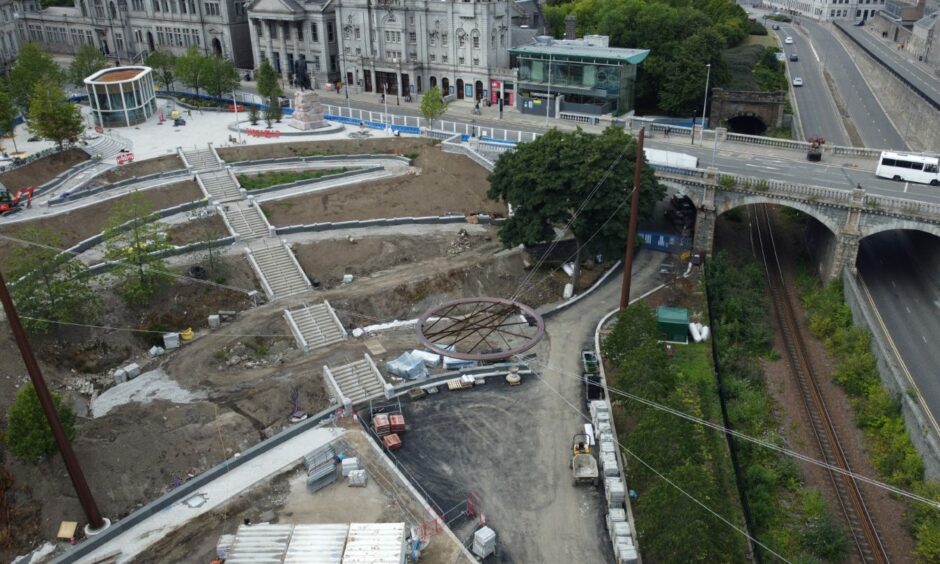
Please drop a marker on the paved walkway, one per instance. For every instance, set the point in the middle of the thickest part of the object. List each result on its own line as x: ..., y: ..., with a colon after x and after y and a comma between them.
x: 215, y: 493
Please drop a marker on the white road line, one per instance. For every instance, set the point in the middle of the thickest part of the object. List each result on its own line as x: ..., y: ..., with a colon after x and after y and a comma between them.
x: 908, y: 308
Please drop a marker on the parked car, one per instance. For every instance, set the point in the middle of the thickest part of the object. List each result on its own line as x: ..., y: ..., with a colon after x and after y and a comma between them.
x: 860, y: 22
x: 794, y: 57
x: 683, y: 203
x: 788, y: 40
x: 797, y: 81
x: 775, y: 26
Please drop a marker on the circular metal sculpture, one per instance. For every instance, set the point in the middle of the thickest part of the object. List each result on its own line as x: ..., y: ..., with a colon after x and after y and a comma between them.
x: 481, y: 329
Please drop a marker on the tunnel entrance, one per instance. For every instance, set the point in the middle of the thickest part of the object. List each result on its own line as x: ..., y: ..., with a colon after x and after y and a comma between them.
x: 749, y: 125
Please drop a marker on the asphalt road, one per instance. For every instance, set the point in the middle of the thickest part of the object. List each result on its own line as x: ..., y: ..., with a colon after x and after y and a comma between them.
x: 901, y: 270
x: 819, y: 115
x: 886, y: 50
x: 867, y: 115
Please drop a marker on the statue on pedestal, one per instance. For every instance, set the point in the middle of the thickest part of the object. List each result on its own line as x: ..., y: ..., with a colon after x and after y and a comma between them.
x: 308, y: 112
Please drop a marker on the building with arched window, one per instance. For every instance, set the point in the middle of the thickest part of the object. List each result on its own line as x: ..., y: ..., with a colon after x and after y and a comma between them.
x: 121, y: 96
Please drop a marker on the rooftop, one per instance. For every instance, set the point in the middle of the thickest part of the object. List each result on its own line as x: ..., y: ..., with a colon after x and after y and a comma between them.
x: 672, y: 314
x: 594, y: 47
x: 117, y: 74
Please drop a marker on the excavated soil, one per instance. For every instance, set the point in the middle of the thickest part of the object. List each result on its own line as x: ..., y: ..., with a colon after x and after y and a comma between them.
x: 387, y: 146
x: 446, y: 184
x: 84, y: 222
x: 165, y: 163
x: 887, y: 512
x: 43, y: 170
x: 196, y: 230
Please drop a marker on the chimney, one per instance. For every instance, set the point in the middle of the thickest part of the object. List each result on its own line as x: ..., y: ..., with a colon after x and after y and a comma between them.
x: 571, y: 24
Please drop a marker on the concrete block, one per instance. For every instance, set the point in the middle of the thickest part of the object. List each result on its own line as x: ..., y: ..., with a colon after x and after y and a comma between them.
x: 120, y: 376
x: 157, y: 351
x: 214, y: 321
x: 132, y: 370
x: 171, y: 341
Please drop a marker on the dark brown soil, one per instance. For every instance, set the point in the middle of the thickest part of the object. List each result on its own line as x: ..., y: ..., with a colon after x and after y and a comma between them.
x: 887, y: 512
x: 203, y: 229
x: 385, y: 146
x: 82, y: 223
x: 41, y: 171
x: 446, y: 184
x: 165, y: 163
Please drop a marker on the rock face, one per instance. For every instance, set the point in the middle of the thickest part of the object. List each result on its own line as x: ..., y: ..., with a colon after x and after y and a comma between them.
x: 308, y: 113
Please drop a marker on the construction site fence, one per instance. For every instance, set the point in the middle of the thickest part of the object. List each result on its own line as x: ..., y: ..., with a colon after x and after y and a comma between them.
x: 386, y: 222
x: 193, y: 486
x: 87, y: 189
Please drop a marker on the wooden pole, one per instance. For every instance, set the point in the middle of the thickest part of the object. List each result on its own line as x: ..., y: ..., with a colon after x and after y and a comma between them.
x: 95, y: 522
x: 634, y: 217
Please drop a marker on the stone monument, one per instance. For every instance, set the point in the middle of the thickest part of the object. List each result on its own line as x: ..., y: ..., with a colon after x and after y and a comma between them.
x: 308, y: 113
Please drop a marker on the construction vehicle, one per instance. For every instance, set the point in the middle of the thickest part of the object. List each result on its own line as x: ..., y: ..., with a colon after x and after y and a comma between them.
x: 814, y: 154
x: 12, y: 204
x: 583, y: 464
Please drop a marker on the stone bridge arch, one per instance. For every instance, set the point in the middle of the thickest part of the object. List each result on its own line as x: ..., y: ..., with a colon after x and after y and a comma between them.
x: 744, y: 111
x: 873, y: 225
x: 834, y: 220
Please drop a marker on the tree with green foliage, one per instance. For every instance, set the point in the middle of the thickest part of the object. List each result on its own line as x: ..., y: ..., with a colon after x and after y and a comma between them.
x: 273, y: 112
x: 49, y: 286
x: 33, y: 66
x: 433, y: 105
x: 8, y: 114
x: 268, y: 85
x: 28, y: 435
x: 572, y: 177
x: 53, y: 117
x: 253, y: 114
x: 163, y: 64
x: 221, y: 78
x: 131, y: 241
x: 87, y: 62
x: 192, y: 68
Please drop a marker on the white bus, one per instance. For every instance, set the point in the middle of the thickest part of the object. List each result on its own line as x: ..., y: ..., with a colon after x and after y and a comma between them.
x: 909, y: 168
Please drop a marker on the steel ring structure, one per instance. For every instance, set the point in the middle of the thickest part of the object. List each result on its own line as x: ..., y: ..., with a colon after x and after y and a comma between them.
x: 480, y: 329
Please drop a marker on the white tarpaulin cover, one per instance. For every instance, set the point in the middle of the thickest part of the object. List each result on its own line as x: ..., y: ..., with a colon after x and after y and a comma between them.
x: 406, y: 366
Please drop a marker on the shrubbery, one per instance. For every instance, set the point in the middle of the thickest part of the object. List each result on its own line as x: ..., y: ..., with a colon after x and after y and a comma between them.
x: 877, y: 412
x: 28, y: 435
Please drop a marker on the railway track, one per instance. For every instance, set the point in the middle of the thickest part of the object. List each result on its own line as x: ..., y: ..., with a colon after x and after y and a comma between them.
x: 852, y: 503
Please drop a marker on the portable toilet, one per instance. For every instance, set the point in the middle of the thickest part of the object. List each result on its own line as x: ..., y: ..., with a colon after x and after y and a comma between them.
x: 673, y: 324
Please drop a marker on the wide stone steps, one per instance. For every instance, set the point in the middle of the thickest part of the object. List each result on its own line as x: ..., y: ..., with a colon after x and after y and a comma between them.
x: 202, y: 159
x: 315, y: 326
x: 358, y: 381
x: 276, y: 265
x: 246, y: 222
x: 107, y: 146
x: 220, y: 186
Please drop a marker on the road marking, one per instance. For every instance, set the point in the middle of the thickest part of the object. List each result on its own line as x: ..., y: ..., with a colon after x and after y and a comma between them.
x: 906, y: 186
x: 907, y: 308
x: 893, y: 285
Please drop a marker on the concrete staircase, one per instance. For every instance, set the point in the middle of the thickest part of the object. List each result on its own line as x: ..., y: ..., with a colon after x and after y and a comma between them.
x: 355, y: 382
x: 278, y: 270
x: 108, y: 146
x: 220, y: 185
x: 315, y: 326
x: 245, y: 221
x: 201, y: 159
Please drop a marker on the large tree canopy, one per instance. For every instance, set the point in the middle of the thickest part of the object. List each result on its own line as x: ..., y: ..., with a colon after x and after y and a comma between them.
x: 548, y: 180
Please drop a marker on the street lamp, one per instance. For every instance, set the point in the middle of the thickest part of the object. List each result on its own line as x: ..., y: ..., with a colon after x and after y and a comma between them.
x: 708, y: 74
x: 397, y: 82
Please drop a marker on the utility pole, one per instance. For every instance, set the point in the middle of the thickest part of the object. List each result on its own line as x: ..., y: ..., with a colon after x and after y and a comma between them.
x: 634, y: 217
x: 95, y: 521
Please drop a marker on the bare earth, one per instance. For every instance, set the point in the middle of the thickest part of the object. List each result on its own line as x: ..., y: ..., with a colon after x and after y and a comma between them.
x: 386, y: 146
x: 165, y: 163
x: 447, y: 184
x: 43, y: 170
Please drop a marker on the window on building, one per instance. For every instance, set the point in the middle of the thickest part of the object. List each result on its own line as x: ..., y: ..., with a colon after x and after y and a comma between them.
x: 316, y: 63
x: 259, y: 28
x: 300, y: 31
x: 476, y: 61
x: 173, y: 7
x: 212, y: 9
x: 192, y: 6
x: 183, y: 7
x: 314, y: 36
x: 239, y: 8
x: 330, y: 35
x: 460, y: 60
x: 164, y: 6
x: 137, y: 5
x: 99, y: 9
x: 432, y: 41
x: 443, y: 58
x: 358, y: 33
x: 273, y: 30
x: 444, y: 39
x: 412, y: 37
x: 358, y: 52
x: 476, y: 40
x: 347, y: 33
x: 332, y: 58
x: 433, y: 58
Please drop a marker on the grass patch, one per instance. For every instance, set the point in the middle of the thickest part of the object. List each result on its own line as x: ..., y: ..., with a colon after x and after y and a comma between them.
x: 276, y: 178
x: 877, y: 412
x: 785, y: 515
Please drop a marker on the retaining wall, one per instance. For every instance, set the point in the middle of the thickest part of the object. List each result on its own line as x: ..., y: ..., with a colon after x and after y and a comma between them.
x: 385, y: 222
x: 892, y: 375
x: 80, y: 192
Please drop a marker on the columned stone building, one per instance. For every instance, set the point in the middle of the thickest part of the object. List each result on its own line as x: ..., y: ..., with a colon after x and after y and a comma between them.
x: 130, y: 29
x: 291, y: 32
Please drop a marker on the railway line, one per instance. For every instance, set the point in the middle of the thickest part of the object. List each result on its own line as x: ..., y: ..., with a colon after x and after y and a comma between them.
x: 864, y: 531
